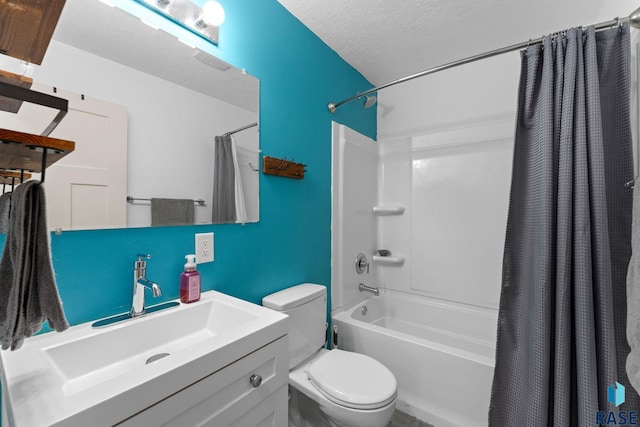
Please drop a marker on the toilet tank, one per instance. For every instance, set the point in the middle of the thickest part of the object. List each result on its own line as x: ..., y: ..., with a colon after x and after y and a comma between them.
x: 306, y: 305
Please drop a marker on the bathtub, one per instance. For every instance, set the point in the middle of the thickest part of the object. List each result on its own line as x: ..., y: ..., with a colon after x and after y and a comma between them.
x: 441, y: 353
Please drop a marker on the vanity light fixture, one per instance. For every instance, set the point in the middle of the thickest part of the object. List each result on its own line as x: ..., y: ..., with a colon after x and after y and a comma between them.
x: 212, y: 14
x: 203, y: 22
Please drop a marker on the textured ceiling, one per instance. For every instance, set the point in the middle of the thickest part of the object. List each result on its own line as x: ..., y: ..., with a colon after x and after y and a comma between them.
x: 389, y: 39
x: 383, y: 39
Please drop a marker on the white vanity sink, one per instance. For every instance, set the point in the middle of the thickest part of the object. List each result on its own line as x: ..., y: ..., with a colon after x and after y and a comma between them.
x: 86, y: 374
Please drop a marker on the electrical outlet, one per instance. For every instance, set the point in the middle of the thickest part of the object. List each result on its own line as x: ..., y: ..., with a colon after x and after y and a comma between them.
x: 204, y: 247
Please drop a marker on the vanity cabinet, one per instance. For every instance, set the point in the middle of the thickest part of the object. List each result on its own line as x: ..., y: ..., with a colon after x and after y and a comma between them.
x: 230, y: 369
x: 231, y: 396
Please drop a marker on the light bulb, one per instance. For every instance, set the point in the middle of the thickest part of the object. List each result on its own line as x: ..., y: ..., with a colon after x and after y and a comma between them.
x: 213, y: 13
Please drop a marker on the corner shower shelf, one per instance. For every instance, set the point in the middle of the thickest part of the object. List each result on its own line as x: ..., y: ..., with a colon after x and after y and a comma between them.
x: 389, y: 260
x: 388, y: 210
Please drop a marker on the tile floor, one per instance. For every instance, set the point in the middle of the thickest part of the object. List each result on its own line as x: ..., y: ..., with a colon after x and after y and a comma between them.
x: 400, y: 419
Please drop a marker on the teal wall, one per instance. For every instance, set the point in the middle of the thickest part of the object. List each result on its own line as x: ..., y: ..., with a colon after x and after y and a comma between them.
x: 291, y: 244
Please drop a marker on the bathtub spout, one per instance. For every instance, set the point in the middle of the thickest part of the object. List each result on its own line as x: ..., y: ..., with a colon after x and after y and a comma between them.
x: 365, y: 288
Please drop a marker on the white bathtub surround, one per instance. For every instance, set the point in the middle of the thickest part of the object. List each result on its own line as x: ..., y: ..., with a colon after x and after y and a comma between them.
x: 441, y: 352
x: 444, y: 270
x: 455, y: 185
x: 354, y: 185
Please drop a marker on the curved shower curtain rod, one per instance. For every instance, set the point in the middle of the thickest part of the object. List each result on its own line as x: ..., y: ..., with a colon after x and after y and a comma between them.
x: 241, y: 129
x: 633, y: 19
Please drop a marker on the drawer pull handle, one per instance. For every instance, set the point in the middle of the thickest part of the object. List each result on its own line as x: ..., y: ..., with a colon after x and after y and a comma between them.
x: 255, y: 380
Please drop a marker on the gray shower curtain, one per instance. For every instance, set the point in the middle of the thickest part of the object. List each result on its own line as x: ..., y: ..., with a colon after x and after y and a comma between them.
x: 561, y: 325
x: 224, y: 198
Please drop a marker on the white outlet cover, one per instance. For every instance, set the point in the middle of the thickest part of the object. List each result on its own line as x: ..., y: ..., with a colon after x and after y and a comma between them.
x: 204, y: 247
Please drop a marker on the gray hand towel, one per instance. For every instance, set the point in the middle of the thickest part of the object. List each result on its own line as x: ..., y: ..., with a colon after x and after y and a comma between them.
x: 172, y: 211
x: 28, y: 291
x: 5, y: 206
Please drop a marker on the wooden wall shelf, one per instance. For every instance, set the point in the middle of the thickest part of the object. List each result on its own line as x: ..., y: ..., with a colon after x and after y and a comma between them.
x: 20, y: 93
x: 13, y: 177
x: 19, y: 150
x: 8, y: 104
x: 27, y: 27
x: 282, y: 167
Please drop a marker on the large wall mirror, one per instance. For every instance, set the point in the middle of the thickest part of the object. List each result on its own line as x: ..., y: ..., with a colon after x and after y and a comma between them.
x: 145, y: 109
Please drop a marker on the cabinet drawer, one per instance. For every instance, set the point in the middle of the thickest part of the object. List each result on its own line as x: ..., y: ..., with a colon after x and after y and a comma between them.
x: 226, y: 395
x: 271, y: 412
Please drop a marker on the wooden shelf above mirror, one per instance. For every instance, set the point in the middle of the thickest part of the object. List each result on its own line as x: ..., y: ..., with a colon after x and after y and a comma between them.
x: 27, y: 27
x: 23, y: 151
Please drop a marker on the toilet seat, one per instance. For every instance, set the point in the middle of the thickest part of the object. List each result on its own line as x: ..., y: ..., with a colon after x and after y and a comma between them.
x: 353, y: 380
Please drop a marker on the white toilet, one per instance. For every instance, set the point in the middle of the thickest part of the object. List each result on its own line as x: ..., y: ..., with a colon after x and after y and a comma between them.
x: 351, y: 389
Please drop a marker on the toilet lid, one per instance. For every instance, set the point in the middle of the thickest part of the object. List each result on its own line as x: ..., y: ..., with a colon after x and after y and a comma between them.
x: 353, y: 380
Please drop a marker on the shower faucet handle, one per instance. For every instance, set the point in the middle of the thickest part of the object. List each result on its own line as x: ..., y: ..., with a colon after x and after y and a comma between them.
x: 362, y: 264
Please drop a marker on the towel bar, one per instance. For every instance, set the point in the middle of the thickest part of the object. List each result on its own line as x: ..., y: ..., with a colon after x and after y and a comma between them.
x: 199, y: 202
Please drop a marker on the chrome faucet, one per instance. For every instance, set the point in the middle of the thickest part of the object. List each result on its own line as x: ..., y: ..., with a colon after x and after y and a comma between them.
x: 364, y: 288
x: 139, y: 283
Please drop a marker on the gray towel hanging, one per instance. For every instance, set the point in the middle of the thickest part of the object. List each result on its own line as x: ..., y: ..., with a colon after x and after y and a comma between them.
x: 172, y: 211
x: 28, y: 290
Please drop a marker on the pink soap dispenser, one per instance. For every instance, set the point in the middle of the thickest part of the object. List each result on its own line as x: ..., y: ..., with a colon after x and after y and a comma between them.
x: 190, y: 281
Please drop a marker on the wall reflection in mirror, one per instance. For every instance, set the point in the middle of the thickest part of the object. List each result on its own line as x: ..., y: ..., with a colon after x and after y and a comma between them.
x: 144, y: 111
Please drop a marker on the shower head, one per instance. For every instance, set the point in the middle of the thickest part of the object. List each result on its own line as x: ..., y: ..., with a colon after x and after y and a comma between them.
x: 369, y: 101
